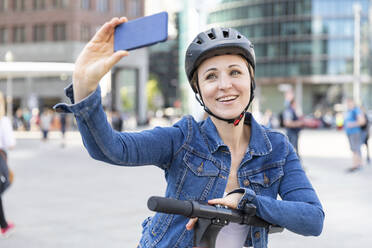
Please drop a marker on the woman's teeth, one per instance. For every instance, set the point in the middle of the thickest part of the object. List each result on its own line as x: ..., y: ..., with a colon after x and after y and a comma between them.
x: 227, y: 98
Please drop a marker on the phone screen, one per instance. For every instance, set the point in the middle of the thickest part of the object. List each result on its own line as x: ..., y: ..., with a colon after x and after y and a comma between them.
x: 141, y: 32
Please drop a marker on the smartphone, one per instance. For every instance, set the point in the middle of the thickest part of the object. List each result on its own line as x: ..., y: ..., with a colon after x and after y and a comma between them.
x: 141, y: 32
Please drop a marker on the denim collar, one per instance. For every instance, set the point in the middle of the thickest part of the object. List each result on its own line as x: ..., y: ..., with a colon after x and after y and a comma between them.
x: 259, y: 143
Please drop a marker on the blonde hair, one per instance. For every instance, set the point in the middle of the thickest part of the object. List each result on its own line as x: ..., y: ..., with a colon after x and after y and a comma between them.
x: 2, y: 105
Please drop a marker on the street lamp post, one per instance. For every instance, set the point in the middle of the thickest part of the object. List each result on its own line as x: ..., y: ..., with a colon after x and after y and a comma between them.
x: 356, y: 84
x: 9, y: 90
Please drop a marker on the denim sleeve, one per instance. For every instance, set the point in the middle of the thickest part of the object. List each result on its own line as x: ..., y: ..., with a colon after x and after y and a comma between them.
x: 299, y: 210
x: 149, y: 147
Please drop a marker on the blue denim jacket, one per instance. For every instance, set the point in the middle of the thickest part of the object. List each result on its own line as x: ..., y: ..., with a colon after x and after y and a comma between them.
x: 196, y: 164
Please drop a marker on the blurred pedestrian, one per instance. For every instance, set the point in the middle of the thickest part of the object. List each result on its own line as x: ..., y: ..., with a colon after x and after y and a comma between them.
x: 27, y: 117
x: 353, y: 121
x: 116, y: 120
x: 63, y: 123
x: 292, y: 123
x: 7, y: 141
x: 46, y: 118
x: 267, y: 119
x: 35, y: 119
x: 339, y: 120
x: 19, y: 122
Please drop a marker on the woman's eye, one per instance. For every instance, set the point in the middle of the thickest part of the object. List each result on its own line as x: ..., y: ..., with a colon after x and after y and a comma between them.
x: 235, y: 73
x: 211, y: 76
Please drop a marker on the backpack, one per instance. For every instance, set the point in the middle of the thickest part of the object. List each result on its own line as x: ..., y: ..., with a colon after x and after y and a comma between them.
x: 281, y: 119
x: 4, y: 172
x: 366, y: 123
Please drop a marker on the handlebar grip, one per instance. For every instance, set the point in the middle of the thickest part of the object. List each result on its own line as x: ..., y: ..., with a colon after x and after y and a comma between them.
x: 170, y: 206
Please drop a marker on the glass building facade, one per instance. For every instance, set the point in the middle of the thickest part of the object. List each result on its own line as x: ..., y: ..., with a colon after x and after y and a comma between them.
x: 307, y: 42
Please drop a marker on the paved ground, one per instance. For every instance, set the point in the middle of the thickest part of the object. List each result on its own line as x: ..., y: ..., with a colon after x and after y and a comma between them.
x: 62, y: 198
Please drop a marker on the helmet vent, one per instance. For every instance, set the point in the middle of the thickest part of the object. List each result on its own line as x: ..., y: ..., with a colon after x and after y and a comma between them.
x: 225, y: 33
x: 199, y: 42
x: 211, y: 36
x: 239, y: 36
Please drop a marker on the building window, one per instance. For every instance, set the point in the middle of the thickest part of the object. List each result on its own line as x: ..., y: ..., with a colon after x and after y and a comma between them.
x: 85, y: 4
x: 102, y: 6
x: 19, y: 5
x: 60, y: 4
x: 19, y: 35
x: 4, y: 5
x: 85, y: 32
x: 39, y: 33
x: 3, y: 35
x: 119, y: 6
x: 59, y: 31
x: 39, y: 4
x: 135, y: 8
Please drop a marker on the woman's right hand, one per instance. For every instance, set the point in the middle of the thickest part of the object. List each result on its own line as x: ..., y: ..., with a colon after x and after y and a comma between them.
x: 96, y: 59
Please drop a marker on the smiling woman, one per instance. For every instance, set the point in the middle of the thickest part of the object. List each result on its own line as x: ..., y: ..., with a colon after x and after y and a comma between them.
x: 227, y: 159
x: 224, y: 84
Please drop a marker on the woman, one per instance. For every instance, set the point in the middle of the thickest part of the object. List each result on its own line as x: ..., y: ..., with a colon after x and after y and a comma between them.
x: 6, y: 141
x: 204, y: 160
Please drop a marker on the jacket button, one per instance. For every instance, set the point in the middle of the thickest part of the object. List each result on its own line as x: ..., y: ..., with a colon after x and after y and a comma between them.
x: 257, y: 235
x: 200, y: 168
x: 246, y: 182
x: 266, y: 179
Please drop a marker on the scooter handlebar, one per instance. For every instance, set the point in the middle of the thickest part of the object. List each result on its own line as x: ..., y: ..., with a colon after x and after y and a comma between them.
x: 170, y: 206
x: 195, y: 209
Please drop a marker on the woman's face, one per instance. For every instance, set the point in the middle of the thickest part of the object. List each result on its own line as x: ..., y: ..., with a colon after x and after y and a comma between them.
x: 225, y: 85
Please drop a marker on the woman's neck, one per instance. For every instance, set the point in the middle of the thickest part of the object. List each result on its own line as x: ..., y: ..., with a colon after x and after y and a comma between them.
x: 235, y: 137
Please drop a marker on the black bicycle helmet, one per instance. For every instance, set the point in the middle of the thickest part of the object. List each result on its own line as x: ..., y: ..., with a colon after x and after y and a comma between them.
x: 214, y: 42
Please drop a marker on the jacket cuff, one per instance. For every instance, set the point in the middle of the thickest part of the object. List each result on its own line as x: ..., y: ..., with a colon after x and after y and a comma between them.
x: 86, y: 105
x: 249, y: 196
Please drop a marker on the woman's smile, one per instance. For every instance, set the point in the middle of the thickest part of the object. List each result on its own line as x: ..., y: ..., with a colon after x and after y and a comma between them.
x: 227, y: 100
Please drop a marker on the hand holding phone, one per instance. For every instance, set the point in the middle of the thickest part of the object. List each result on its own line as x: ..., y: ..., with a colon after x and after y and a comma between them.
x: 96, y: 59
x: 141, y: 32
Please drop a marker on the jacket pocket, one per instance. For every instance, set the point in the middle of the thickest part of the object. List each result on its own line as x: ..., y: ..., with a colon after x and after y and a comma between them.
x: 267, y: 177
x: 266, y: 182
x: 198, y: 177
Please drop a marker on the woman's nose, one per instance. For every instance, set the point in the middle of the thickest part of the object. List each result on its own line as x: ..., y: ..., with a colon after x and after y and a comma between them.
x: 224, y: 82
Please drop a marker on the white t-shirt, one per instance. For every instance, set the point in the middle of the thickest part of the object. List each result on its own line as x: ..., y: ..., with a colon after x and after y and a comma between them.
x: 6, y: 134
x: 233, y: 235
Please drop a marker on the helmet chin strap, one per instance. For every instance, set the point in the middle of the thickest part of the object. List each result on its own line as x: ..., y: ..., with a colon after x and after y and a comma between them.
x: 234, y: 121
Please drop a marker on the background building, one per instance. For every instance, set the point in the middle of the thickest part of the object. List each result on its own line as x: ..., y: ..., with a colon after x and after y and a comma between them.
x: 56, y: 31
x: 306, y: 45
